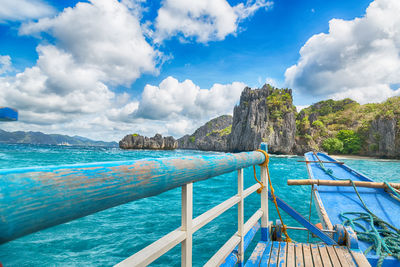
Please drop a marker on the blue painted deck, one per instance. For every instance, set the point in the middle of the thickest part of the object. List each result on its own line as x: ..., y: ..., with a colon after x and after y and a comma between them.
x: 344, y: 199
x: 8, y: 114
x: 303, y: 254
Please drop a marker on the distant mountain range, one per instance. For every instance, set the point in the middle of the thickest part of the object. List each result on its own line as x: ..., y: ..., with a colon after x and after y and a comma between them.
x: 50, y: 139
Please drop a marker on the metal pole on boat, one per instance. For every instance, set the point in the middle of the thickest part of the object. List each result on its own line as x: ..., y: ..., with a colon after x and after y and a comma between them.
x: 264, y: 198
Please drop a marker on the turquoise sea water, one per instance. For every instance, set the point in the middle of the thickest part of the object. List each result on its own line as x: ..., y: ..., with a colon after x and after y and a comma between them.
x: 110, y: 236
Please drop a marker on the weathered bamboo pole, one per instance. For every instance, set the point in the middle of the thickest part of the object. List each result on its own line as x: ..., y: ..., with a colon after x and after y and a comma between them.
x: 316, y: 161
x: 342, y: 183
x: 36, y: 198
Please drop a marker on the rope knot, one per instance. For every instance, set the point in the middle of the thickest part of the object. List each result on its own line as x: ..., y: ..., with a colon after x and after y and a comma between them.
x: 266, y: 161
x: 259, y: 190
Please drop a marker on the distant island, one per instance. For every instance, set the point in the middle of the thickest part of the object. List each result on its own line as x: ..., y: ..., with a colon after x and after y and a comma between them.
x: 40, y: 138
x: 137, y: 141
x: 268, y: 115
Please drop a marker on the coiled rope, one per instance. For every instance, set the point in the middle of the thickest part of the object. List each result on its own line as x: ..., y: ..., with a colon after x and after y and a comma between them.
x: 265, y: 164
x: 385, y: 237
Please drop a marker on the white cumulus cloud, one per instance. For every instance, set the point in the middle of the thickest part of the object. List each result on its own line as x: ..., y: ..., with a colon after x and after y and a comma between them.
x: 5, y: 64
x: 96, y: 44
x: 205, y: 20
x: 359, y: 58
x: 102, y: 35
x: 93, y: 46
x: 172, y: 98
x: 55, y: 89
x: 19, y: 10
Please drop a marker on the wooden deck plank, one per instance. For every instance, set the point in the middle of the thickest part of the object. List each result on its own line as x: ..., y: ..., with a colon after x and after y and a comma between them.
x: 273, y: 260
x: 282, y: 254
x: 290, y: 260
x: 302, y: 254
x: 343, y: 255
x: 307, y: 255
x: 315, y: 255
x: 326, y: 261
x: 348, y: 256
x: 333, y: 256
x: 299, y: 254
x: 266, y: 256
x: 257, y: 254
x: 360, y: 259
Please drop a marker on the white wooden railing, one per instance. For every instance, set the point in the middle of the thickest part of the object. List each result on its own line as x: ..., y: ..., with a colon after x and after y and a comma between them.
x: 183, y: 235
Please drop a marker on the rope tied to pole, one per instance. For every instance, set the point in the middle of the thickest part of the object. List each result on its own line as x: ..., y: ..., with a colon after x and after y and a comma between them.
x: 265, y: 164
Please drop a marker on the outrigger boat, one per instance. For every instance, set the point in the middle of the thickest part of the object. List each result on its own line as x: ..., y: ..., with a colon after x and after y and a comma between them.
x: 345, y: 196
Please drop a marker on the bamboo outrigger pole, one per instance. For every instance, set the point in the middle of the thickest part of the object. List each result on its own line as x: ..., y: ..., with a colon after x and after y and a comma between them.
x: 342, y: 183
x: 316, y: 161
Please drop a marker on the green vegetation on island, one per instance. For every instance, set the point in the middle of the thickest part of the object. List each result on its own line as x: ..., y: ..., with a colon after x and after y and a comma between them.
x: 222, y: 132
x: 279, y: 102
x: 346, y: 127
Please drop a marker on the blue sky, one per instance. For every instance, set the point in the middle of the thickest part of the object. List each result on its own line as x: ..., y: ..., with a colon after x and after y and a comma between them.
x: 106, y: 68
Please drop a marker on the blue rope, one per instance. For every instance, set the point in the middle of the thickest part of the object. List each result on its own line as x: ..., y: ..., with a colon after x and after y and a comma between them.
x: 385, y: 238
x: 393, y: 191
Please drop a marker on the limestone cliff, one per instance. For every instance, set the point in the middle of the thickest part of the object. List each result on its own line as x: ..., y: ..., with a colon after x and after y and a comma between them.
x: 136, y: 141
x: 383, y: 139
x: 212, y: 136
x: 268, y: 115
x: 264, y: 115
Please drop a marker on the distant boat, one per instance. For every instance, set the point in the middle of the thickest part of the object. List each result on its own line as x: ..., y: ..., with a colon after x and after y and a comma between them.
x: 64, y: 144
x: 8, y: 114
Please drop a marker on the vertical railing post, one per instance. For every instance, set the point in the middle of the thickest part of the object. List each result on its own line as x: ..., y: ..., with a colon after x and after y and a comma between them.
x: 264, y: 198
x: 240, y: 218
x: 187, y: 217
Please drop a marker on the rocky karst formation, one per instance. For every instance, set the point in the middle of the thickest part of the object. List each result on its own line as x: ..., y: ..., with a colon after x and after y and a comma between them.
x: 383, y: 138
x: 136, y: 141
x: 268, y: 115
x: 212, y: 136
x: 264, y: 115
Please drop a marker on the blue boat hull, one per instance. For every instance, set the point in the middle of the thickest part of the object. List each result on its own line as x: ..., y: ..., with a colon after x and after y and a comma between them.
x: 8, y: 114
x: 332, y: 200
